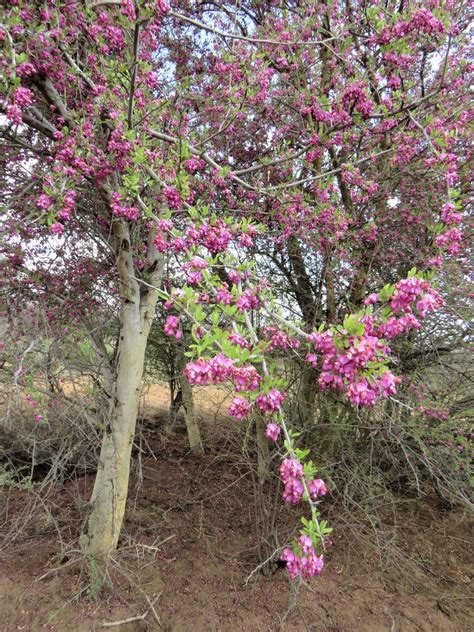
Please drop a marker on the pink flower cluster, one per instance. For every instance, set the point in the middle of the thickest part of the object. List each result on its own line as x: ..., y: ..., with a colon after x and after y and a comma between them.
x: 21, y: 99
x: 57, y: 228
x: 247, y: 300
x: 44, y: 201
x: 355, y: 95
x: 345, y: 364
x: 317, y: 488
x: 194, y: 269
x: 239, y: 340
x: 220, y: 368
x: 173, y: 197
x: 172, y: 327
x: 223, y: 295
x: 450, y: 240
x: 69, y: 199
x: 407, y: 292
x: 291, y: 473
x: 270, y: 402
x: 239, y: 408
x: 340, y: 366
x: 194, y: 164
x: 272, y: 431
x: 306, y: 564
x: 128, y: 9
x: 279, y: 339
x: 346, y: 367
x: 216, y: 236
x: 422, y: 20
x: 396, y: 326
x: 129, y: 213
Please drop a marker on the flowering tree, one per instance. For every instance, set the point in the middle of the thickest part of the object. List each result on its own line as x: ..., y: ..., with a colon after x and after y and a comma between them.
x: 181, y: 150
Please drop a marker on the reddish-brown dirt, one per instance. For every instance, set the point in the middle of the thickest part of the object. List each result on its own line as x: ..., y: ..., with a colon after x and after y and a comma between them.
x: 189, y: 543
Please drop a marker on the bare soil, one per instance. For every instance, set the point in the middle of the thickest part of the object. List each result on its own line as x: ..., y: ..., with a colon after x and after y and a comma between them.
x: 189, y: 545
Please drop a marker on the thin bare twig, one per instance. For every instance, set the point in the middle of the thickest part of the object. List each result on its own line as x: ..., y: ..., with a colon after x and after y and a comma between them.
x: 140, y: 617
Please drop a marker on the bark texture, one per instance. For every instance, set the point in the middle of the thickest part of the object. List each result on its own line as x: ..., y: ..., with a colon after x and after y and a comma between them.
x: 109, y: 496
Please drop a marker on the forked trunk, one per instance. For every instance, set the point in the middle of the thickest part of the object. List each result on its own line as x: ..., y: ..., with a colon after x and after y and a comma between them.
x: 111, y: 484
x: 109, y: 496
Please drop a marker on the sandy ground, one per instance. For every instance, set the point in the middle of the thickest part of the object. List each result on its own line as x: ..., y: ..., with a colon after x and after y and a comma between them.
x: 189, y: 543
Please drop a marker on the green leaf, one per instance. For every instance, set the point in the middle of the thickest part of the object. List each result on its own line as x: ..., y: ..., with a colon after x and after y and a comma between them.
x: 309, y: 469
x: 386, y: 292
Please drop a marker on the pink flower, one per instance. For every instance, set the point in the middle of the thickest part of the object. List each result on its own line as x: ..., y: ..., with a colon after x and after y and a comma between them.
x: 239, y: 340
x: 293, y: 491
x: 223, y: 295
x: 305, y: 563
x: 25, y: 69
x: 172, y: 327
x: 246, y: 378
x: 23, y: 97
x: 305, y: 543
x: 272, y: 431
x: 57, y: 228
x: 292, y: 563
x: 173, y: 196
x: 271, y: 401
x: 198, y: 372
x: 239, y: 408
x: 279, y: 339
x: 247, y: 300
x: 290, y: 468
x: 361, y: 393
x: 317, y: 488
x: 194, y: 277
x: 371, y: 299
x: 387, y: 384
x: 44, y: 201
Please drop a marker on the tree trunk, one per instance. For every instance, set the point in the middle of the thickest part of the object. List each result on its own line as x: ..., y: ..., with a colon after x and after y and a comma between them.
x: 194, y: 436
x: 109, y: 496
x: 307, y: 396
x: 192, y: 427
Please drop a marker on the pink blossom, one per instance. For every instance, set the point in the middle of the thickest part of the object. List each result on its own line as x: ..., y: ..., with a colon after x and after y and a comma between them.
x: 371, y: 299
x: 44, y: 201
x: 23, y: 97
x: 172, y: 327
x: 293, y: 491
x: 247, y: 300
x: 271, y: 401
x: 239, y: 408
x: 317, y: 488
x: 57, y: 228
x: 361, y: 393
x: 173, y: 196
x: 272, y: 431
x: 25, y: 69
x: 246, y: 378
x: 290, y: 468
x: 223, y: 295
x: 239, y: 340
x: 306, y: 564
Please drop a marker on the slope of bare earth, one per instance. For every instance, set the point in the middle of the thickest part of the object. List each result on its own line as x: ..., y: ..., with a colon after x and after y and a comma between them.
x: 189, y: 545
